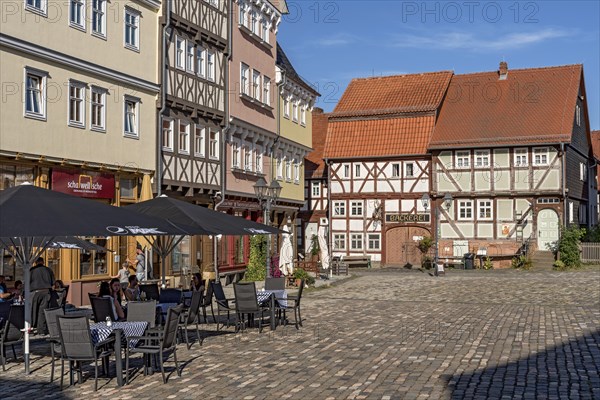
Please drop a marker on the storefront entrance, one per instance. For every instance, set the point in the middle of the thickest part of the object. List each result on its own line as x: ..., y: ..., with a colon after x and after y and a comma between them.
x: 401, y: 245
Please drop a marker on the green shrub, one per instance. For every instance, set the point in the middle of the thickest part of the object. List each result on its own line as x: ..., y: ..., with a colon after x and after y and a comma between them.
x: 593, y: 235
x: 425, y: 244
x: 257, y: 264
x: 299, y: 273
x: 568, y: 246
x: 487, y: 263
x: 521, y: 262
x: 559, y: 265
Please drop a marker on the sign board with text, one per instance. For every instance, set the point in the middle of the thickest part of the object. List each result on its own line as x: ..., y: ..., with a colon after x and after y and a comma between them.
x: 407, y: 218
x: 90, y: 184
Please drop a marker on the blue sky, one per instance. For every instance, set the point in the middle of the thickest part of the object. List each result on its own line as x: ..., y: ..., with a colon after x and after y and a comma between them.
x: 331, y: 42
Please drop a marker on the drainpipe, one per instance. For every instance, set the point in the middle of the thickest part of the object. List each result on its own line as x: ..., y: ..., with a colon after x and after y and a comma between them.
x: 329, y: 221
x: 163, y: 101
x: 224, y: 131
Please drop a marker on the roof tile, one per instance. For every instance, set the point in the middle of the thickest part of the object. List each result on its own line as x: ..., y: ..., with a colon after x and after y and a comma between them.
x: 314, y: 166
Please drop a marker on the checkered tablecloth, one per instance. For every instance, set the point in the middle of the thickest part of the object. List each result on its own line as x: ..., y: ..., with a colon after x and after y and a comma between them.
x: 263, y: 297
x: 100, y: 331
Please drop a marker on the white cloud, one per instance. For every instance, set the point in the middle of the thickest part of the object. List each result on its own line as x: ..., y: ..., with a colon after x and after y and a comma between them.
x: 474, y: 41
x: 340, y: 39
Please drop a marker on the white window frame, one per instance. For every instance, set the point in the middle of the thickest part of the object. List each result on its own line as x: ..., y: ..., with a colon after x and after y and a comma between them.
x: 201, y: 61
x: 346, y: 171
x: 256, y: 93
x: 42, y: 79
x: 356, y: 208
x: 339, y: 241
x: 279, y: 167
x: 137, y: 115
x: 183, y: 137
x: 485, y: 206
x: 356, y: 241
x: 357, y: 170
x: 571, y: 212
x: 374, y: 241
x: 136, y: 29
x: 409, y: 167
x: 77, y: 20
x: 339, y: 208
x: 243, y: 14
x: 482, y: 159
x: 396, y: 170
x: 253, y: 21
x: 210, y: 65
x: 465, y: 207
x: 521, y: 157
x: 315, y: 189
x: 180, y: 52
x: 578, y: 114
x: 213, y: 144
x: 32, y: 5
x: 288, y: 169
x: 78, y: 102
x: 286, y: 106
x: 296, y: 171
x: 235, y: 155
x: 582, y: 172
x: 303, y: 115
x: 266, y: 90
x: 98, y: 17
x: 167, y: 134
x: 295, y: 111
x: 199, y: 140
x: 95, y: 90
x: 264, y: 33
x: 190, y: 58
x: 247, y: 158
x: 258, y: 159
x: 462, y: 159
x: 245, y: 79
x: 544, y: 156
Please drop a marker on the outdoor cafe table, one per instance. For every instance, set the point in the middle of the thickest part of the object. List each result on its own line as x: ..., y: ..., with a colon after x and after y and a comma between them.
x: 101, y: 331
x: 265, y: 296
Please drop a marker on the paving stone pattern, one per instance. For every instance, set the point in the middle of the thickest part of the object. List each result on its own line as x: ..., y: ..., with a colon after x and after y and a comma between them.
x: 388, y: 334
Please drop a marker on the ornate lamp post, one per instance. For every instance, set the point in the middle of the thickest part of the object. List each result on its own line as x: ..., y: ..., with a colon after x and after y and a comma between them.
x: 447, y: 202
x: 267, y: 195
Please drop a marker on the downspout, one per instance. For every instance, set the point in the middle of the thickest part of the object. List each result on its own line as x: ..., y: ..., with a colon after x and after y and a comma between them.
x: 163, y: 100
x: 329, y: 222
x: 225, y: 130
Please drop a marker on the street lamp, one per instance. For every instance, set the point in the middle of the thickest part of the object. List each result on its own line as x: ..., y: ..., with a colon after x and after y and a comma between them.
x: 426, y: 202
x: 267, y: 195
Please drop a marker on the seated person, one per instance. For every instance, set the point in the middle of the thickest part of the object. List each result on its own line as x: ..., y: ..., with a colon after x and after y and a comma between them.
x: 17, y: 292
x: 107, y: 292
x: 196, y: 284
x: 132, y: 293
x: 5, y: 295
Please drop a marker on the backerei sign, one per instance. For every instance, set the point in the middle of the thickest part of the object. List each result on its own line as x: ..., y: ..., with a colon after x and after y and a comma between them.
x: 85, y: 184
x: 407, y: 218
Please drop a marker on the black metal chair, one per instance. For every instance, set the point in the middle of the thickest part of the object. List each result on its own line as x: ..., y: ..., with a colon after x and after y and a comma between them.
x: 102, y: 308
x: 207, y: 301
x: 153, y: 345
x: 247, y: 304
x: 170, y: 296
x: 295, y: 307
x: 54, y: 334
x: 150, y: 290
x: 190, y: 316
x: 275, y: 283
x: 77, y: 345
x: 12, y: 332
x: 222, y: 303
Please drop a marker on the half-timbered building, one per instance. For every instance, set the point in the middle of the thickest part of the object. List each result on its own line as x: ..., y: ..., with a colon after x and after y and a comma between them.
x: 192, y: 115
x: 513, y: 149
x: 596, y: 149
x: 378, y: 165
x: 314, y: 213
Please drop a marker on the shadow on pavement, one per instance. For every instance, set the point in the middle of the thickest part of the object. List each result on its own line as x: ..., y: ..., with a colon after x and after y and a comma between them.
x: 568, y: 371
x: 12, y: 388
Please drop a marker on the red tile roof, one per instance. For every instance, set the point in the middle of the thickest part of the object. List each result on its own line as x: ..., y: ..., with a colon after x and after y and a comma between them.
x: 378, y: 137
x: 314, y: 166
x: 531, y: 106
x: 393, y: 94
x: 596, y: 144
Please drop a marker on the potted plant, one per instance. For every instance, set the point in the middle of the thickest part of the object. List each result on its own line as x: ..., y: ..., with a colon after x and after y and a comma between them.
x: 314, y: 247
x: 300, y: 274
x: 424, y: 245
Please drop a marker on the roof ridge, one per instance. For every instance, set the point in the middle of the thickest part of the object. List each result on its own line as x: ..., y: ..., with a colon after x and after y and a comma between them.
x: 565, y: 66
x: 401, y: 75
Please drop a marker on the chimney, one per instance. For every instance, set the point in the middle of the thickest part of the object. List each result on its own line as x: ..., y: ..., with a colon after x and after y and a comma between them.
x: 317, y: 110
x: 503, y: 71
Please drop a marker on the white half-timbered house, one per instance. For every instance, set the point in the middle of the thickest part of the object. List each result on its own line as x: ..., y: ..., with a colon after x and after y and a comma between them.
x: 378, y: 166
x: 513, y: 149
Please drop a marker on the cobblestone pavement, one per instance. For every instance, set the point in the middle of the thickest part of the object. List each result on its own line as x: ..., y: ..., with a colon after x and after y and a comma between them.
x: 390, y: 334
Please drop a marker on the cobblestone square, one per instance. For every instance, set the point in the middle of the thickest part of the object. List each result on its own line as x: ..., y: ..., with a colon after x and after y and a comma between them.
x: 387, y: 334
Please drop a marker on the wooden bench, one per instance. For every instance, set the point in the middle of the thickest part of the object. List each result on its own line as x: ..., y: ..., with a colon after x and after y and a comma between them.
x: 357, y: 261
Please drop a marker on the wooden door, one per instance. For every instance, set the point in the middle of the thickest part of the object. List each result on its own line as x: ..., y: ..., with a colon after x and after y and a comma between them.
x: 401, y: 245
x: 547, y: 225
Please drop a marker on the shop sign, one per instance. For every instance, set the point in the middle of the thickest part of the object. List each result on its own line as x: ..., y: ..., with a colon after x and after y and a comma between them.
x: 84, y: 184
x: 407, y: 218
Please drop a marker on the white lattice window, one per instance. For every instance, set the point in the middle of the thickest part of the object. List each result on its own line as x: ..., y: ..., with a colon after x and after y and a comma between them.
x: 77, y: 13
x: 235, y: 155
x: 213, y: 144
x: 356, y: 241
x: 259, y: 160
x: 243, y: 14
x: 184, y: 137
x: 465, y: 209
x: 288, y: 169
x: 201, y: 62
x: 167, y: 134
x: 356, y: 208
x: 98, y: 109
x: 374, y: 241
x: 189, y: 57
x: 521, y: 158
x: 484, y: 209
x: 264, y: 26
x: 199, y: 140
x: 339, y: 241
x: 245, y: 79
x: 37, y: 6
x: 247, y: 158
x: 132, y: 29
x: 540, y: 156
x: 482, y: 158
x: 316, y: 189
x: 462, y: 159
x: 256, y: 84
x: 99, y: 17
x: 35, y: 93
x: 339, y: 208
x: 179, y: 52
x: 77, y: 104
x: 210, y: 66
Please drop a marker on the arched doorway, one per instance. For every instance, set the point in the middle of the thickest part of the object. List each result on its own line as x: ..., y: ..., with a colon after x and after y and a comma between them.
x: 401, y: 245
x: 547, y: 225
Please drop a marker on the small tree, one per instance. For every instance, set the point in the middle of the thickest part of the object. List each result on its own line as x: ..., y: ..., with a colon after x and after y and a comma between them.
x: 314, y: 245
x: 568, y: 246
x: 424, y: 246
x: 257, y: 264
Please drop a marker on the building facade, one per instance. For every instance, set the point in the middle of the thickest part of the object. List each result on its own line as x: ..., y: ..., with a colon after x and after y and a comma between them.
x: 79, y: 121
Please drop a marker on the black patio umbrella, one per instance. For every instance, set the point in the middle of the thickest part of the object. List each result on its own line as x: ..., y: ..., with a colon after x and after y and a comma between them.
x: 200, y: 220
x: 28, y: 213
x: 61, y: 242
